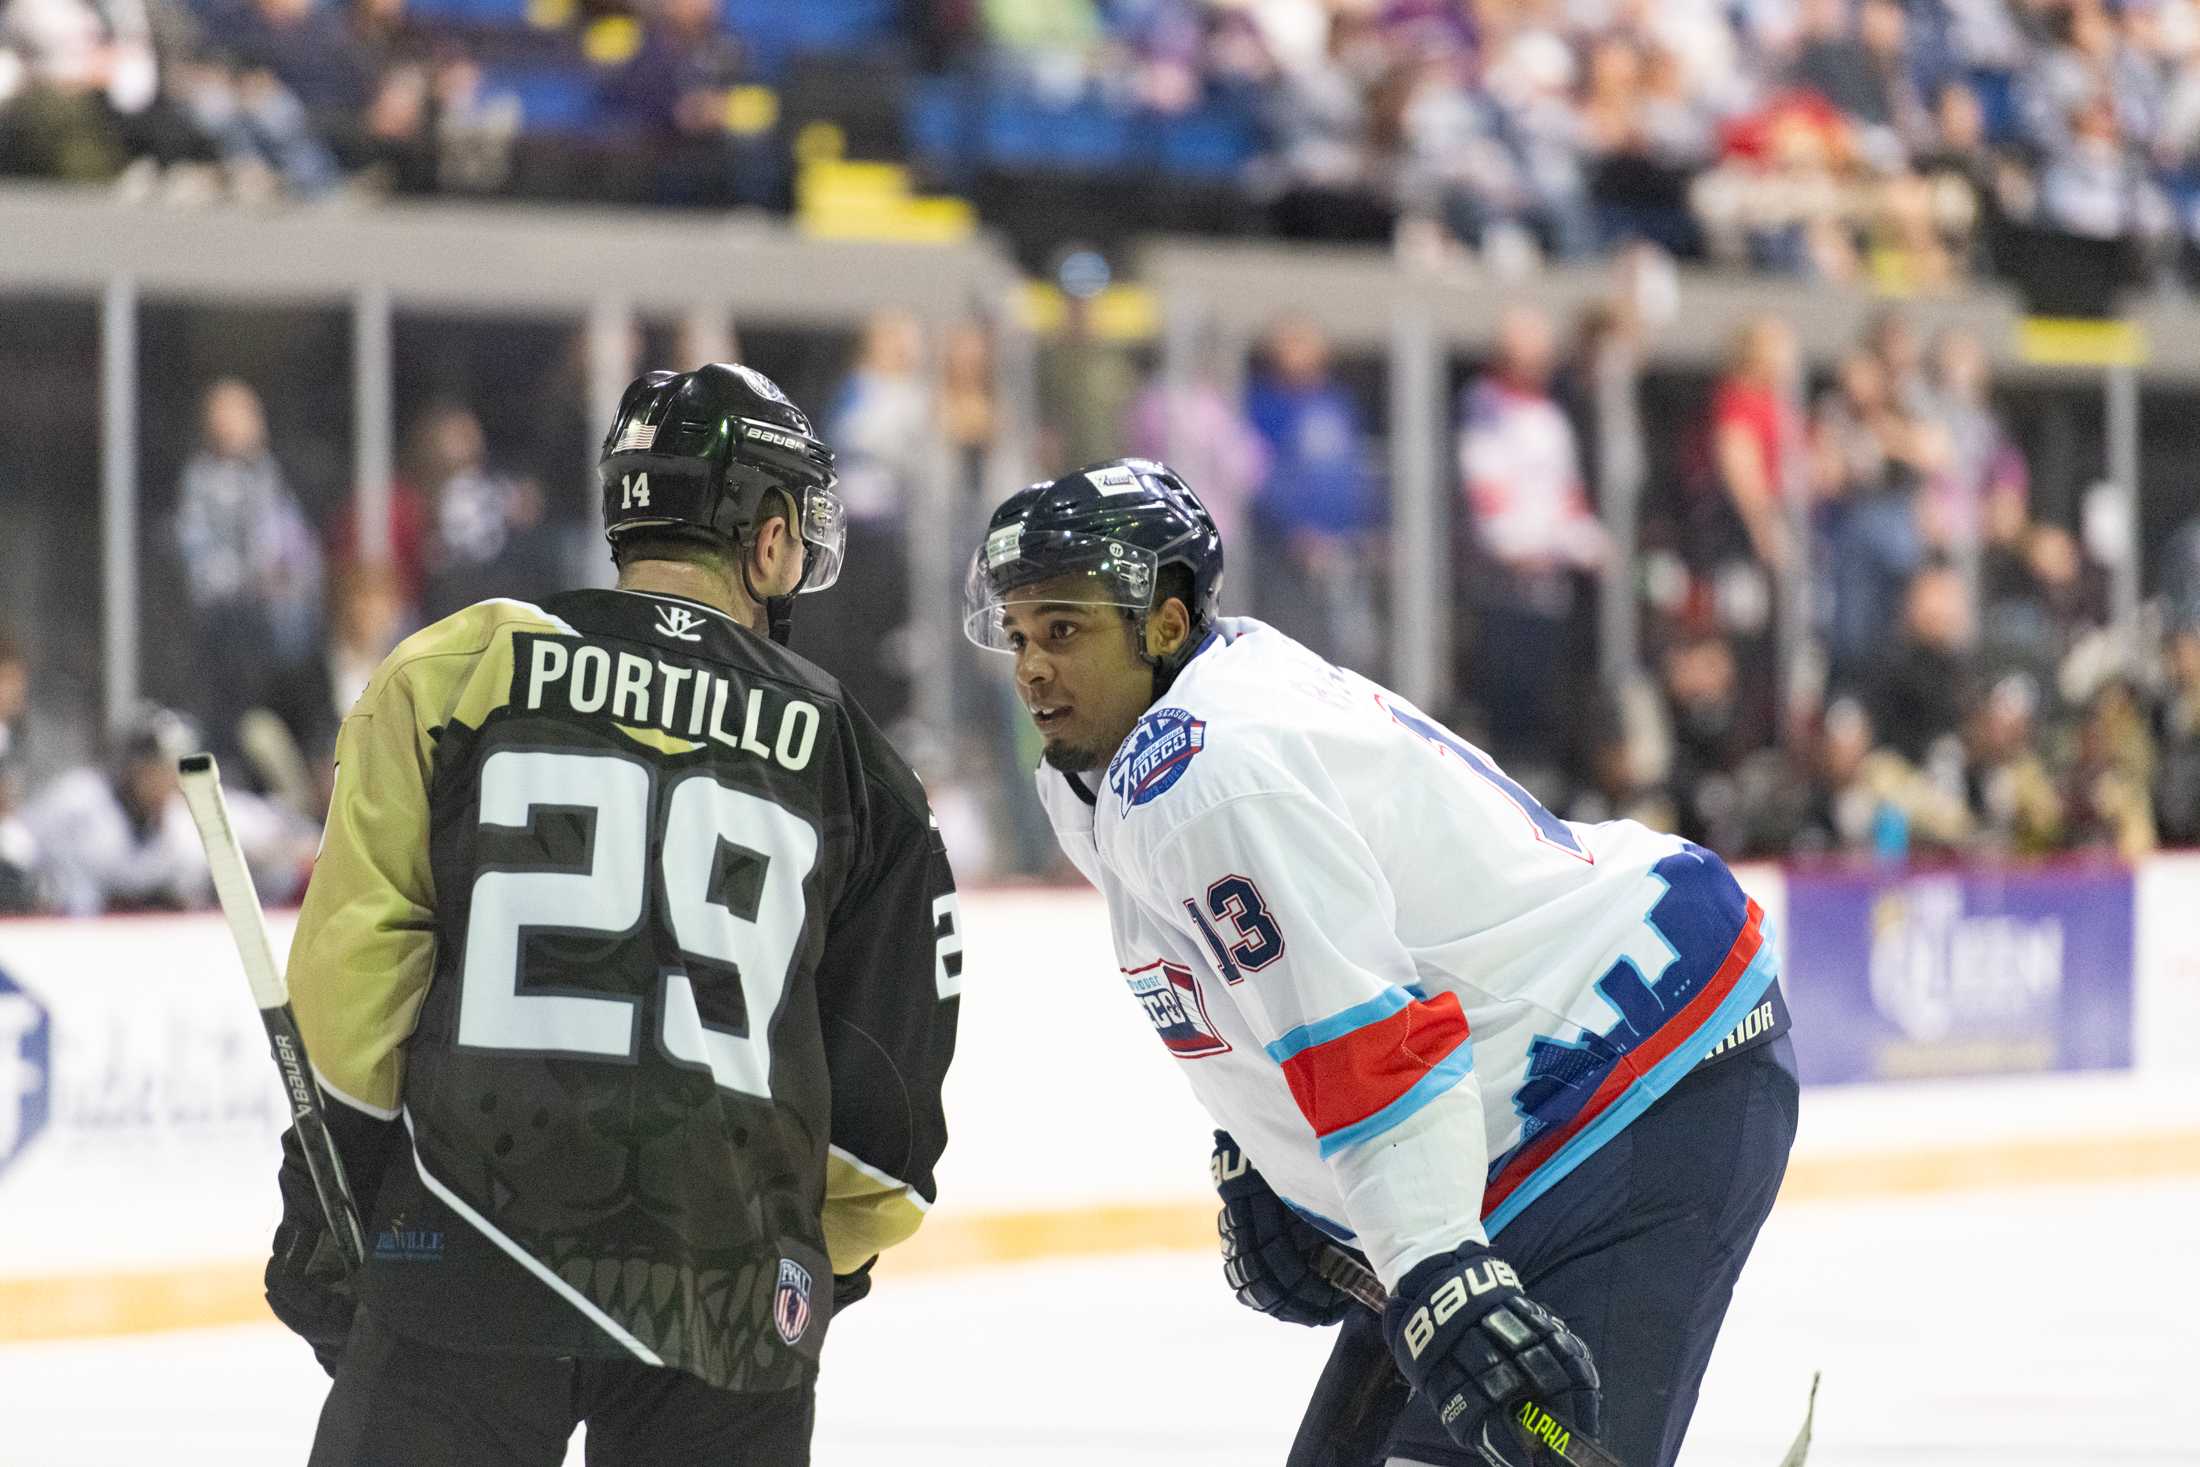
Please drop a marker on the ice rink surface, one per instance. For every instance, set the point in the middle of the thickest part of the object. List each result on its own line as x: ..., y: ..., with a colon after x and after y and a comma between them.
x: 2050, y: 1325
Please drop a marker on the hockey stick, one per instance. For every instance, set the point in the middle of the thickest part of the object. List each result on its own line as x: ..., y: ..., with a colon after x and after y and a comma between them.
x: 1548, y: 1437
x: 240, y: 899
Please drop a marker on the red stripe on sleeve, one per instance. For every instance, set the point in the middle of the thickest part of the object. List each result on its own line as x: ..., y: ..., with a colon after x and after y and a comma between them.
x: 1355, y: 1075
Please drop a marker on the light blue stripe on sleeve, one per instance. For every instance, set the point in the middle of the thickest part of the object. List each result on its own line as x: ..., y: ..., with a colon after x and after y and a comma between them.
x: 1453, y: 1068
x: 1337, y: 1025
x: 1663, y: 1076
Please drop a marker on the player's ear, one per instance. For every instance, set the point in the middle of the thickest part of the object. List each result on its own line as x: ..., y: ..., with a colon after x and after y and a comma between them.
x: 1167, y: 627
x: 774, y: 552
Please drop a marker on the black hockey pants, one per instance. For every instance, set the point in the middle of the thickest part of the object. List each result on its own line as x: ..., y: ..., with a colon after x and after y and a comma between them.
x: 398, y: 1403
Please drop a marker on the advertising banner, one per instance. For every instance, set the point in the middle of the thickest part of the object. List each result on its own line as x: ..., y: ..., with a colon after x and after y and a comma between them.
x: 1896, y: 975
x: 138, y: 1109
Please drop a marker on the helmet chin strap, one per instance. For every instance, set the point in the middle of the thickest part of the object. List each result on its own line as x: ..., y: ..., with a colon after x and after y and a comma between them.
x: 1164, y: 666
x: 778, y: 610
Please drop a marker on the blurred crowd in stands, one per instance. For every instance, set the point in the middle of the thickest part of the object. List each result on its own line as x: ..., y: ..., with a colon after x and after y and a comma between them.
x: 1902, y: 141
x: 1965, y: 689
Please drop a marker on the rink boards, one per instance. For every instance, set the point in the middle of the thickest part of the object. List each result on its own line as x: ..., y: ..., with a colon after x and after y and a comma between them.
x: 138, y: 1113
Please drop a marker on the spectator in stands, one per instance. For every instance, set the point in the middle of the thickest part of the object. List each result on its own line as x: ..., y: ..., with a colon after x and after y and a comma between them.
x: 74, y: 74
x: 1316, y: 509
x: 1530, y: 77
x: 2177, y: 735
x: 1711, y: 739
x: 119, y: 839
x: 675, y: 92
x: 18, y: 854
x: 1645, y: 133
x: 1862, y: 68
x: 1984, y: 476
x: 1203, y: 432
x: 2107, y: 791
x: 1533, y: 534
x: 2094, y: 187
x: 251, y: 564
x: 1870, y: 459
x: 2015, y: 806
x: 2038, y: 596
x: 1891, y: 337
x: 366, y: 620
x: 15, y: 700
x: 1324, y: 125
x: 2086, y: 62
x: 296, y: 86
x: 969, y: 415
x: 1753, y: 439
x: 1922, y: 685
x: 881, y: 427
x: 1868, y: 799
x: 1964, y: 173
x: 488, y: 536
x: 1086, y: 376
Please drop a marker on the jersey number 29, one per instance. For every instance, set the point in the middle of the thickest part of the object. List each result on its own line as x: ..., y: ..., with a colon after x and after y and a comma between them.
x: 611, y: 897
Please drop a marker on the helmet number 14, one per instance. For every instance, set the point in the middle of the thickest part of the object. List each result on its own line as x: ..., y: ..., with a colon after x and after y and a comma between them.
x: 634, y: 491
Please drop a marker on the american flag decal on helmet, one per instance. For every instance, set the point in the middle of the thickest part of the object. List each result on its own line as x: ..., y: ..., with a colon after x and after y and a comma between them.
x: 635, y: 437
x: 791, y: 1303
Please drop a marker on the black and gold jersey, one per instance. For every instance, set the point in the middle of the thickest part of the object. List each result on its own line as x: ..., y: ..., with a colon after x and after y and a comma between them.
x: 645, y: 937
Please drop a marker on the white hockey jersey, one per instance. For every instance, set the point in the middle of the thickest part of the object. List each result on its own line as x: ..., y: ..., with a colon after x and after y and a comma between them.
x: 1414, y: 996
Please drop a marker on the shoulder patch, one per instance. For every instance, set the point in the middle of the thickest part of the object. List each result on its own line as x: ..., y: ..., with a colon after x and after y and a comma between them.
x: 1156, y: 755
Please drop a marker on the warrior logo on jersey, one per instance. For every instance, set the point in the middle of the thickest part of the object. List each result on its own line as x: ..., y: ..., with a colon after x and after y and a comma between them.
x: 791, y: 1304
x: 1156, y: 755
x: 1170, y: 996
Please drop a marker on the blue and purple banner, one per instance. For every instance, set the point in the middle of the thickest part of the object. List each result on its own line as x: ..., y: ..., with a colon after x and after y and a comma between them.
x: 1894, y: 975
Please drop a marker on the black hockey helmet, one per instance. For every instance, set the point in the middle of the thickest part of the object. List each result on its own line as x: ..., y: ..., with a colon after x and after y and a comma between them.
x: 699, y: 453
x: 1115, y: 525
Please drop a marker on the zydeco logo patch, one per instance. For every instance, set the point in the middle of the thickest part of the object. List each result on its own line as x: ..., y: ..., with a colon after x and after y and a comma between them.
x: 26, y: 1069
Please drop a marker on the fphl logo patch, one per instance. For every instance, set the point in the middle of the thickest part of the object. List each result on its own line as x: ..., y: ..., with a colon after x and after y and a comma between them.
x: 791, y: 1302
x: 1156, y: 755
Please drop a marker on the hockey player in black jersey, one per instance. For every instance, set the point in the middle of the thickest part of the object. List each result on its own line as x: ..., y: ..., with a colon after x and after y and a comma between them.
x: 629, y: 968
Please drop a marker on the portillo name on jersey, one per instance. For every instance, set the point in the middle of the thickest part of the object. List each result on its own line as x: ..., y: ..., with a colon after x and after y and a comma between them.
x: 571, y: 675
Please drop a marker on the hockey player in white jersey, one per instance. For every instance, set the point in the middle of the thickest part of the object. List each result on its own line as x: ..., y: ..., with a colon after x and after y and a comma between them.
x: 1534, y: 1072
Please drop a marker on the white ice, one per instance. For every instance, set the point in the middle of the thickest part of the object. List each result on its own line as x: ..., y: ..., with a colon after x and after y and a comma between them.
x: 2042, y: 1325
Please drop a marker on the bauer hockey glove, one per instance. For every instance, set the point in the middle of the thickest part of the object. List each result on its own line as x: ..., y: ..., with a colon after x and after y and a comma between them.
x: 1268, y: 1250
x: 1473, y: 1343
x: 308, y: 1284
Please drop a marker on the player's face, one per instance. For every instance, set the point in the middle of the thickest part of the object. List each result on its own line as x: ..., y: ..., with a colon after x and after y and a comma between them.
x: 1079, y: 675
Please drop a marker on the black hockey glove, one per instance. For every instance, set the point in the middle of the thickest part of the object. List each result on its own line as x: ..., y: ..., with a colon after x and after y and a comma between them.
x: 1268, y: 1250
x: 308, y: 1286
x: 1468, y: 1338
x: 849, y: 1288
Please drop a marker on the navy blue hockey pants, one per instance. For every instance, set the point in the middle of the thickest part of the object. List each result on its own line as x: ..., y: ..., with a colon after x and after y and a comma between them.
x: 1638, y: 1248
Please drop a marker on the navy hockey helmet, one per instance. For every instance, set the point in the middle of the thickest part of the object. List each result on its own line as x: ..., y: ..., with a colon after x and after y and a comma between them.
x: 700, y: 453
x: 1114, y: 528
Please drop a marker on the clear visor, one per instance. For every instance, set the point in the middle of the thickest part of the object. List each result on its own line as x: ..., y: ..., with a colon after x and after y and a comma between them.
x: 825, y: 533
x: 1015, y: 571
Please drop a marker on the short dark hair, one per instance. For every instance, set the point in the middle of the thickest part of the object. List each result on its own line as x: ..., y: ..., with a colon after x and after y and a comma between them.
x: 694, y: 545
x: 691, y: 547
x: 1176, y: 581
